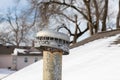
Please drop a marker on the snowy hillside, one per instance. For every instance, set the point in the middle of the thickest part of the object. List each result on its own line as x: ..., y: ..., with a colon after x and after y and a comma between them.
x: 5, y: 73
x: 97, y: 60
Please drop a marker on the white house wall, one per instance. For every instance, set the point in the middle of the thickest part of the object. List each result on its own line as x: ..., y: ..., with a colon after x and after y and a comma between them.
x: 21, y: 63
x: 5, y: 61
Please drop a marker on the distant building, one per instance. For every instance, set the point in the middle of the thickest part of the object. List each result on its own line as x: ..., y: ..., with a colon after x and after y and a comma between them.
x: 16, y: 58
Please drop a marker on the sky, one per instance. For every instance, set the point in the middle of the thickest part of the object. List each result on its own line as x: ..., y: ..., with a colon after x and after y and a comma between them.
x: 5, y: 4
x: 96, y: 60
x: 9, y: 4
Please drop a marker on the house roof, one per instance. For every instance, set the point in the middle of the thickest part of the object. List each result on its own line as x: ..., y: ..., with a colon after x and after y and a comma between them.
x: 27, y: 52
x: 9, y: 49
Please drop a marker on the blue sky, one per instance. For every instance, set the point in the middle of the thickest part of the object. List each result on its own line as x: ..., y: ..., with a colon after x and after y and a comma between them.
x: 4, y: 4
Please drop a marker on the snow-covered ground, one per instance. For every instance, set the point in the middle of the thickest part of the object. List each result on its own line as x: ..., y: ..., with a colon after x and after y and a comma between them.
x: 97, y: 60
x: 5, y: 72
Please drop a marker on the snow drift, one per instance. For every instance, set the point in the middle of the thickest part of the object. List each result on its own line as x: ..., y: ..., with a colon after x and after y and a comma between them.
x: 97, y: 60
x: 5, y: 72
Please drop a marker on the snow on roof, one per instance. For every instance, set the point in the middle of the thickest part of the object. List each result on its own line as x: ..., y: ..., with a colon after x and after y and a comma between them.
x: 35, y: 52
x: 25, y: 51
x: 33, y: 49
x: 97, y: 60
x: 17, y: 50
x: 54, y: 34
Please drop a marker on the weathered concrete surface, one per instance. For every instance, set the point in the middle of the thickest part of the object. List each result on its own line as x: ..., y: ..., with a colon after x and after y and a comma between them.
x: 52, y: 65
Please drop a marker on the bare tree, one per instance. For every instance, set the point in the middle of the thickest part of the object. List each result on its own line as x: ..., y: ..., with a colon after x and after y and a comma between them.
x: 97, y: 15
x: 89, y: 17
x: 57, y: 9
x: 77, y: 33
x: 94, y: 13
x: 18, y: 28
x: 105, y: 13
x: 118, y: 18
x: 5, y: 38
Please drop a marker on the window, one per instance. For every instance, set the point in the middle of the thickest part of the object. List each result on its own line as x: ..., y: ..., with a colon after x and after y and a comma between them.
x: 63, y: 41
x: 36, y: 59
x: 56, y: 39
x: 42, y: 38
x: 51, y: 38
x: 47, y: 38
x: 25, y: 59
x: 67, y: 43
x: 60, y: 41
x: 39, y: 38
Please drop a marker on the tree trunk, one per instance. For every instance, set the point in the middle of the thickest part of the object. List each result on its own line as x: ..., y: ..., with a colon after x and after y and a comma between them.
x: 90, y: 26
x: 118, y: 18
x: 105, y: 16
x: 97, y: 14
x: 76, y: 31
x: 74, y: 39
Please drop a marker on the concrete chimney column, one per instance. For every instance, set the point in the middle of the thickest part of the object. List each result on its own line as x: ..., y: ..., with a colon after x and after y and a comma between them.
x: 52, y: 65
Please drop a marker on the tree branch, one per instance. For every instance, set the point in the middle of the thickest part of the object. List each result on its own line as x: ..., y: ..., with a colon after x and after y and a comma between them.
x: 63, y: 26
x: 10, y: 22
x: 66, y: 17
x: 35, y: 16
x: 65, y: 4
x: 83, y: 32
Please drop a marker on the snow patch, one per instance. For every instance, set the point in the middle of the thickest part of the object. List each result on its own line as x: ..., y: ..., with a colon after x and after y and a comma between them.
x: 97, y: 60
